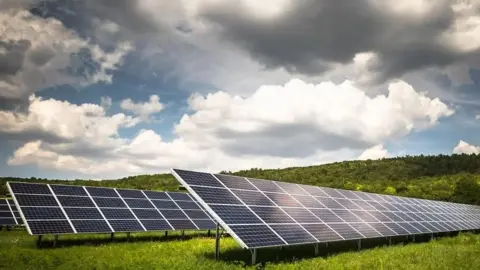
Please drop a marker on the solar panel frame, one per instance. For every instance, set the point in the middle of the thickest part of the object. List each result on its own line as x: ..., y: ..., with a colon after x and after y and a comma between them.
x: 74, y: 220
x: 389, y: 208
x: 7, y: 221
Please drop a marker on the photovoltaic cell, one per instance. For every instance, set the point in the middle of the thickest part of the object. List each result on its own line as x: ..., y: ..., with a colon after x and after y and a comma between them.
x: 102, y: 192
x: 293, y: 234
x: 235, y: 182
x: 257, y: 235
x: 8, y: 213
x: 302, y: 215
x: 126, y: 225
x: 156, y: 225
x: 164, y: 204
x: 204, y: 223
x: 182, y: 224
x: 282, y: 199
x: 36, y: 200
x: 68, y: 190
x: 250, y: 197
x: 346, y: 231
x: 50, y: 227
x: 178, y: 196
x: 231, y: 214
x: 43, y: 213
x: 322, y: 232
x: 83, y: 213
x: 265, y: 185
x: 75, y: 201
x: 202, y: 179
x: 272, y: 215
x: 91, y: 226
x: 153, y: 195
x: 131, y: 193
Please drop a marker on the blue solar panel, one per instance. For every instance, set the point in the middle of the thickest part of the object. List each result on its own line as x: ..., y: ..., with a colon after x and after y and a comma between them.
x: 250, y: 197
x: 102, y: 192
x: 91, y: 226
x: 257, y: 235
x: 235, y: 182
x: 293, y: 234
x: 306, y: 212
x: 95, y: 209
x: 322, y: 232
x: 68, y: 190
x: 8, y: 213
x: 272, y: 214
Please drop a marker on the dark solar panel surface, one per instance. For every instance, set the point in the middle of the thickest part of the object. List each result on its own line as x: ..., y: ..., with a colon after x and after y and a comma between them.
x: 62, y: 209
x: 8, y: 213
x: 263, y: 213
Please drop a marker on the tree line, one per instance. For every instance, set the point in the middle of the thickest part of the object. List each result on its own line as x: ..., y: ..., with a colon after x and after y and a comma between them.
x: 453, y: 178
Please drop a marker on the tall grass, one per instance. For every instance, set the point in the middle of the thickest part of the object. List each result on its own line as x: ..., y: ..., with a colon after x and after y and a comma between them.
x: 154, y: 251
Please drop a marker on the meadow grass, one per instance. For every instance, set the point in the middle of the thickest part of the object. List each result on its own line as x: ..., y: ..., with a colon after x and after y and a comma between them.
x: 154, y: 251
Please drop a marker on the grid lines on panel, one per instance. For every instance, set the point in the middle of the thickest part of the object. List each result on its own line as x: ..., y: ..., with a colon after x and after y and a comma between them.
x: 103, y: 210
x: 349, y: 214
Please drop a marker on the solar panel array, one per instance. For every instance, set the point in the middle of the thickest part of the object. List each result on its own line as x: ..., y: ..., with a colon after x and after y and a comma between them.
x: 63, y: 209
x: 263, y: 213
x: 8, y: 213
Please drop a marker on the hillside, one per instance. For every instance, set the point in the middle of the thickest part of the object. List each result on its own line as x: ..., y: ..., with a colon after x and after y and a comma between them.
x: 450, y: 178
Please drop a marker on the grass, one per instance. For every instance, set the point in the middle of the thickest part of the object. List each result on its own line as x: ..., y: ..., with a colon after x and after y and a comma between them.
x: 154, y: 251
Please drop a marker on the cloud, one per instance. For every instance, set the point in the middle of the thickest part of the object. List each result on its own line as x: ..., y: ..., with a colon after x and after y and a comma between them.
x: 465, y: 148
x: 38, y: 53
x: 66, y: 126
x: 295, y: 124
x: 375, y: 152
x: 300, y: 35
x: 143, y: 110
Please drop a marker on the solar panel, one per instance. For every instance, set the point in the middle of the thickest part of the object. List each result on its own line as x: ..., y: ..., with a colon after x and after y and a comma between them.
x: 263, y: 213
x: 9, y: 215
x: 63, y: 209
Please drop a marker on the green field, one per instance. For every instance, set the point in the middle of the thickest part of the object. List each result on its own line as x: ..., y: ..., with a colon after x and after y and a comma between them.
x: 155, y: 251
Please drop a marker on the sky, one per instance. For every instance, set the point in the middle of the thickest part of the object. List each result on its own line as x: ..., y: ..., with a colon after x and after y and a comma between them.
x: 102, y: 89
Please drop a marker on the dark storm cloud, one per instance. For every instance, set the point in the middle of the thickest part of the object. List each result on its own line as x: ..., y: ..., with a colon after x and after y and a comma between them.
x: 12, y: 55
x: 313, y: 32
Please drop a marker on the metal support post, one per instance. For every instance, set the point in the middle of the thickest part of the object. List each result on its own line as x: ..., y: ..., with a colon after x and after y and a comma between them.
x: 413, y: 238
x: 55, y: 239
x: 254, y: 256
x: 39, y: 240
x: 183, y: 235
x: 128, y: 236
x: 8, y: 228
x: 209, y: 233
x: 431, y: 237
x: 389, y: 241
x: 316, y: 249
x: 217, y: 242
x: 166, y: 233
x: 111, y: 236
x: 359, y: 244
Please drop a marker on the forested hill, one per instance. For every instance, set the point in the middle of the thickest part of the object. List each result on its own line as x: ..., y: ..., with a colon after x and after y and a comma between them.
x: 442, y: 177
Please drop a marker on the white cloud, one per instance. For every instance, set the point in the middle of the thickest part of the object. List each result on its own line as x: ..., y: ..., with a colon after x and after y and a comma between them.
x: 62, y: 123
x: 143, y: 110
x: 278, y: 126
x: 42, y: 53
x: 466, y: 148
x: 375, y: 152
